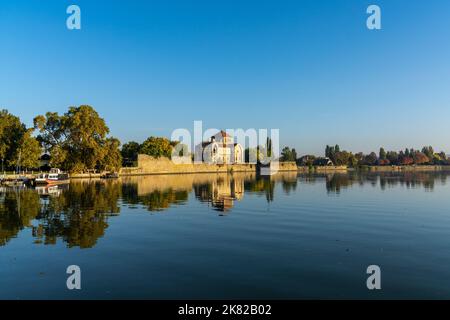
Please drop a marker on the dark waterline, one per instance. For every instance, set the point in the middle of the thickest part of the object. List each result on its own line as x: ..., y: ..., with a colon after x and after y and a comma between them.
x: 229, y: 236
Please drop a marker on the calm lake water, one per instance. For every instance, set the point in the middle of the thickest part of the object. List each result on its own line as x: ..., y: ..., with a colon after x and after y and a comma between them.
x: 229, y: 236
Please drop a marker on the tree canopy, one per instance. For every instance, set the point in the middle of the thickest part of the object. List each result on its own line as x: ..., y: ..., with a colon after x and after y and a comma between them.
x: 288, y: 154
x: 78, y: 140
x: 409, y: 156
x: 157, y: 147
x: 18, y: 147
x: 130, y: 151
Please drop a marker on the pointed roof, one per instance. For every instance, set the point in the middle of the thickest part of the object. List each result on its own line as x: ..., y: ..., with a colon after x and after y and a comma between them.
x: 224, y: 134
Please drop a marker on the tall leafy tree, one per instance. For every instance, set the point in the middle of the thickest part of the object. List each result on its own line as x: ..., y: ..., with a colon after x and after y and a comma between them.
x: 371, y: 159
x: 269, y: 147
x: 286, y: 154
x: 27, y: 152
x: 17, y: 145
x: 382, y: 154
x: 78, y: 140
x: 327, y: 151
x: 337, y: 148
x: 428, y: 151
x: 11, y: 131
x: 294, y: 155
x: 112, y: 158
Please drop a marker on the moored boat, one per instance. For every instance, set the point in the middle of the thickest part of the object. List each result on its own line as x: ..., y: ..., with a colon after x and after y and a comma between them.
x: 55, y: 176
x: 110, y: 175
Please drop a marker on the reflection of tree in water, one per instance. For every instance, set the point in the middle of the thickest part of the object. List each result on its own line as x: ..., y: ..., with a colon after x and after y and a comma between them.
x: 263, y: 184
x: 157, y: 200
x: 336, y: 182
x: 289, y: 185
x: 160, y: 200
x: 79, y: 215
x: 410, y: 180
x: 17, y: 210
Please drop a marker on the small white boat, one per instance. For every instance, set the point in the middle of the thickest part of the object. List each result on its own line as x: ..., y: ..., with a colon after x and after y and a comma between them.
x: 55, y: 176
x: 110, y: 175
x: 49, y: 190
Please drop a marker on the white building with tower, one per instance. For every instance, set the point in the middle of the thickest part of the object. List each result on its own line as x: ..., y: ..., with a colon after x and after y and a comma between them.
x: 221, y: 149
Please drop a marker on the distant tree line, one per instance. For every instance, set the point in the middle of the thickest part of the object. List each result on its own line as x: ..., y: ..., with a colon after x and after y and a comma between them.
x: 426, y: 156
x: 409, y: 156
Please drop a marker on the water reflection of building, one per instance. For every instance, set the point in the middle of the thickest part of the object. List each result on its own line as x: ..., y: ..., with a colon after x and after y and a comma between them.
x: 221, y: 192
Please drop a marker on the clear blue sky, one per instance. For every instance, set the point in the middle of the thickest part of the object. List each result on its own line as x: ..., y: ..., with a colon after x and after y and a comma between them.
x: 310, y: 68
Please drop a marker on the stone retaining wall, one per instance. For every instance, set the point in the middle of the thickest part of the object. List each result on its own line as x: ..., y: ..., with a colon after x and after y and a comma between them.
x: 304, y: 169
x: 151, y: 165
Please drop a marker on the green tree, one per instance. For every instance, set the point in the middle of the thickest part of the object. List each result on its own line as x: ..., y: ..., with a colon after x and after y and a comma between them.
x: 17, y: 145
x: 269, y: 147
x: 407, y: 152
x: 337, y: 148
x: 382, y: 154
x: 294, y: 155
x: 112, y: 158
x: 77, y: 140
x: 393, y: 157
x: 28, y: 151
x: 131, y: 150
x: 371, y: 159
x: 353, y: 161
x: 157, y: 147
x: 286, y: 154
x: 428, y: 151
x: 328, y: 151
x: 11, y: 132
x: 342, y: 158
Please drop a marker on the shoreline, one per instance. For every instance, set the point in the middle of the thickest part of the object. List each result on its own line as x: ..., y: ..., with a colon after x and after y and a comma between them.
x: 228, y: 169
x: 138, y: 172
